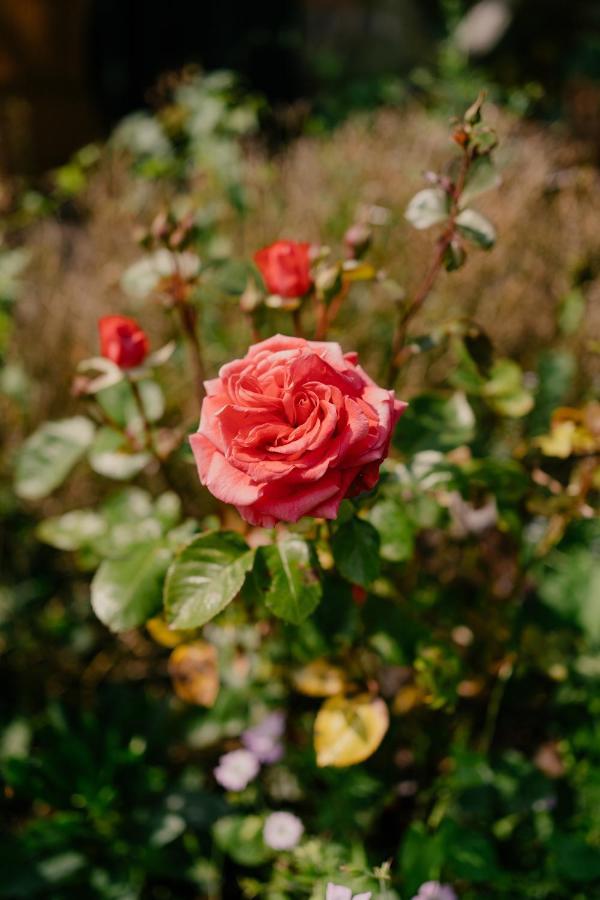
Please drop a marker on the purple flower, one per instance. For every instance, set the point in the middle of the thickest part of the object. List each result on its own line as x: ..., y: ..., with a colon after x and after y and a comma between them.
x: 282, y: 831
x: 236, y: 770
x: 433, y: 890
x: 339, y: 892
x: 264, y: 739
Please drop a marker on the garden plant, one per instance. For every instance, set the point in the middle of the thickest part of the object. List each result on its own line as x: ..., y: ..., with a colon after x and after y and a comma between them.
x: 368, y: 611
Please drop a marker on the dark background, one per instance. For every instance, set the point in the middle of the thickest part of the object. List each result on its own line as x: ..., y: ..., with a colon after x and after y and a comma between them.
x: 69, y: 69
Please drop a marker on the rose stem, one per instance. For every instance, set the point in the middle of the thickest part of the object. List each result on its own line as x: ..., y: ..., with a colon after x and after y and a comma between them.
x: 188, y: 318
x: 149, y: 438
x: 321, y: 329
x: 336, y: 304
x: 189, y: 321
x: 297, y: 320
x: 404, y: 319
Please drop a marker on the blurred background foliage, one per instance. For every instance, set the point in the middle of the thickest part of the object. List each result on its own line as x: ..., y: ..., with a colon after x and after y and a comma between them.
x: 490, y: 776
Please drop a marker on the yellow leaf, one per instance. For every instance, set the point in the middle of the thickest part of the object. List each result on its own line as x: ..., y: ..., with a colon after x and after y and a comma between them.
x: 408, y: 697
x: 349, y: 729
x: 559, y: 442
x: 194, y: 671
x: 319, y: 679
x: 358, y: 271
x: 167, y: 637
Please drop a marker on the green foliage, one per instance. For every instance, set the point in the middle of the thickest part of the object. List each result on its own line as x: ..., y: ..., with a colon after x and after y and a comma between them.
x: 49, y: 454
x: 126, y: 592
x: 355, y: 549
x: 295, y: 589
x: 205, y: 577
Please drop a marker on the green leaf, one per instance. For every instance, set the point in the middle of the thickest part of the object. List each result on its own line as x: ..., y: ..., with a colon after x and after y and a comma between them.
x: 127, y: 592
x: 476, y: 228
x: 435, y: 422
x: 504, y: 390
x: 396, y: 530
x: 556, y: 374
x: 205, y: 577
x: 109, y: 457
x: 295, y: 589
x: 427, y: 208
x: 569, y: 582
x: 118, y: 401
x: 571, y: 311
x: 241, y: 837
x: 482, y: 177
x: 73, y: 530
x: 49, y: 454
x: 355, y: 548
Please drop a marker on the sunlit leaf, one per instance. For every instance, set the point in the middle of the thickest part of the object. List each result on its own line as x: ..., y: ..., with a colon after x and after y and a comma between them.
x: 49, y: 454
x: 73, y: 529
x: 127, y: 592
x: 205, y: 577
x: 428, y: 207
x: 349, y: 730
x: 111, y: 457
x: 476, y: 228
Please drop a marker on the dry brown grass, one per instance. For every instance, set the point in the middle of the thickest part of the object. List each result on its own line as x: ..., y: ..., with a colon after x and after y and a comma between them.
x: 546, y: 212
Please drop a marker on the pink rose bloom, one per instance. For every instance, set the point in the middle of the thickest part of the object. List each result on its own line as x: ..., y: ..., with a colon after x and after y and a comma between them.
x: 291, y: 430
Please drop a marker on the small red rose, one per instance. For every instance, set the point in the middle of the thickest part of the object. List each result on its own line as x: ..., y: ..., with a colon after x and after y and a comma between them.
x: 123, y: 341
x: 285, y: 267
x: 292, y: 429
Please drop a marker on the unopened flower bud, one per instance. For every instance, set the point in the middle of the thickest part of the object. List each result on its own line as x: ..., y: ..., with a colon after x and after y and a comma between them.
x: 357, y: 240
x: 328, y: 281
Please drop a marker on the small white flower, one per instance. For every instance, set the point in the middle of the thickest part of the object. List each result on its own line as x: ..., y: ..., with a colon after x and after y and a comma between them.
x: 339, y: 892
x: 236, y: 770
x: 282, y: 831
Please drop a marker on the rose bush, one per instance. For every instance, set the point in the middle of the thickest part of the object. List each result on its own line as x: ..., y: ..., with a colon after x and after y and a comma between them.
x: 292, y: 429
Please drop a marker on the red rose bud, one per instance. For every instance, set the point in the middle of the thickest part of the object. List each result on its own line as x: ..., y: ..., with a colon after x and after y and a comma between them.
x: 285, y: 267
x: 123, y: 341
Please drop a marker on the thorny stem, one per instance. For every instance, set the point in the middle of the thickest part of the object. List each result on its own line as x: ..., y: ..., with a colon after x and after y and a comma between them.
x: 424, y: 289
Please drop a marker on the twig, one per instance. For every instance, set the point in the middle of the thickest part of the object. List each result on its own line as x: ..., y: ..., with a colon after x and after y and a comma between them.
x: 404, y: 319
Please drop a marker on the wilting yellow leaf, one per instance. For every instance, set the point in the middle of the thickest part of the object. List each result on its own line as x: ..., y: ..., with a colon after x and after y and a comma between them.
x: 349, y: 729
x: 167, y: 637
x: 194, y: 671
x: 572, y: 431
x: 559, y: 442
x: 319, y: 679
